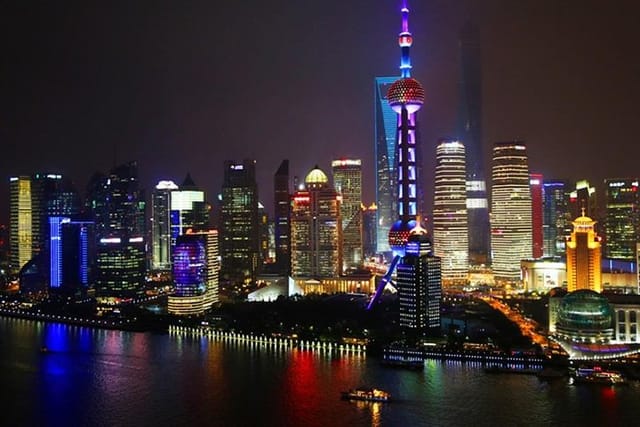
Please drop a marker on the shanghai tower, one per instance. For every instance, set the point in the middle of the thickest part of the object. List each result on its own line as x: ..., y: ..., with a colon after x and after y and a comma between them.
x: 469, y: 132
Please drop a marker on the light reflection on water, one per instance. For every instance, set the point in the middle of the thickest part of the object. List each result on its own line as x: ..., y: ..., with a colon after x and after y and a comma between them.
x: 104, y: 377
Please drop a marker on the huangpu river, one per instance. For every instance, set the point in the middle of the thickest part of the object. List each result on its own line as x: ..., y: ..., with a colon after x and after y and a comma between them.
x: 94, y: 377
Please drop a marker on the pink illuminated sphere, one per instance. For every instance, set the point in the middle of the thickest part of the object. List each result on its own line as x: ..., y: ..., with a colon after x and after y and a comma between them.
x: 406, y: 92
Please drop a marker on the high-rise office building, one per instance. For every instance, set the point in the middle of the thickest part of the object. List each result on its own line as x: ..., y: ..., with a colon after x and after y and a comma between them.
x: 120, y: 268
x: 21, y: 223
x: 316, y: 229
x: 621, y: 218
x: 282, y: 211
x: 263, y: 227
x: 189, y: 210
x: 369, y: 230
x: 510, y: 210
x: 556, y: 221
x: 536, y: 182
x: 583, y: 197
x: 33, y: 200
x: 117, y: 205
x: 450, y: 231
x: 386, y: 126
x: 71, y: 256
x: 419, y: 286
x: 117, y: 202
x: 195, y: 272
x: 347, y: 180
x: 584, y: 269
x: 161, y: 225
x: 239, y: 222
x: 469, y: 132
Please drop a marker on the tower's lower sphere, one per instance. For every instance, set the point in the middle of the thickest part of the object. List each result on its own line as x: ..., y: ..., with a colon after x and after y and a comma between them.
x: 399, y: 235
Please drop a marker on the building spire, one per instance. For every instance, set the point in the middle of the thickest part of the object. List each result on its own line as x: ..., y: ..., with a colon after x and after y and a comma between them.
x: 405, y: 40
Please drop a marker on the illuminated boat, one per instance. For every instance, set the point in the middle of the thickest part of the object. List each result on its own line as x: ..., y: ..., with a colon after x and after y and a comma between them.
x: 597, y: 375
x: 367, y: 394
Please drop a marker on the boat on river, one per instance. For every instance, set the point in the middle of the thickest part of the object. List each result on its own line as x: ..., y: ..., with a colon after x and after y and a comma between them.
x: 367, y: 395
x: 597, y: 375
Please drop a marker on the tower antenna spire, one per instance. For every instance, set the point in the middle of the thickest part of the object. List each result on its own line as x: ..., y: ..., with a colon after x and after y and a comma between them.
x: 405, y: 40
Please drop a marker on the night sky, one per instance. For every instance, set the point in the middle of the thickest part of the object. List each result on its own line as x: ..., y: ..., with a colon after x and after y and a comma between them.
x: 183, y: 86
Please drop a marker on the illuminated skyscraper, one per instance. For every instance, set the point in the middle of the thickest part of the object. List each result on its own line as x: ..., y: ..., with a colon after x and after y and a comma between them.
x: 584, y: 270
x: 195, y: 272
x: 510, y: 210
x: 347, y: 180
x: 369, y: 230
x: 21, y: 235
x: 239, y: 227
x: 386, y: 128
x: 469, y: 132
x: 189, y: 210
x: 419, y: 287
x: 282, y: 210
x: 450, y: 212
x: 161, y: 225
x: 537, y: 234
x: 316, y: 229
x: 118, y: 209
x: 621, y: 220
x: 556, y: 218
x: 71, y: 256
x: 33, y: 200
x: 583, y: 197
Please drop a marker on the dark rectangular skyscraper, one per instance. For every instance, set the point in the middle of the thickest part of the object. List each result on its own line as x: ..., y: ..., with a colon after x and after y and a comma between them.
x: 469, y: 132
x: 282, y: 210
x: 419, y: 285
x: 621, y: 221
x: 118, y: 208
x: 537, y: 234
x: 239, y: 227
x: 556, y: 220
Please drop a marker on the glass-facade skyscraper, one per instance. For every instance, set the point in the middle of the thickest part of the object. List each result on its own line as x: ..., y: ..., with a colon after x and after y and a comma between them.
x: 33, y: 199
x: 189, y: 210
x: 71, y: 256
x: 118, y: 208
x: 347, y: 180
x: 621, y: 217
x: 282, y: 210
x: 21, y: 223
x: 556, y: 221
x: 537, y: 233
x: 161, y: 225
x: 239, y: 226
x: 510, y: 210
x: 386, y: 125
x: 450, y: 228
x: 419, y: 286
x: 195, y: 272
x: 469, y: 132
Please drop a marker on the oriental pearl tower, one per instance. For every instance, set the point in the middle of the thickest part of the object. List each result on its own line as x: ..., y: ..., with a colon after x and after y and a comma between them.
x: 405, y: 96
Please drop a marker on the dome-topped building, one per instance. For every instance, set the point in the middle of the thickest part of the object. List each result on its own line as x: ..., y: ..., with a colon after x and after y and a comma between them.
x: 316, y: 178
x: 585, y: 316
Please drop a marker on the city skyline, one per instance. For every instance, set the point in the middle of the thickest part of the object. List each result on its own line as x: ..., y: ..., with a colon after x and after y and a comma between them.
x: 166, y: 86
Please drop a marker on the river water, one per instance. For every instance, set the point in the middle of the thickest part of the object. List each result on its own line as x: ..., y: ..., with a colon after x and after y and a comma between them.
x: 112, y: 378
